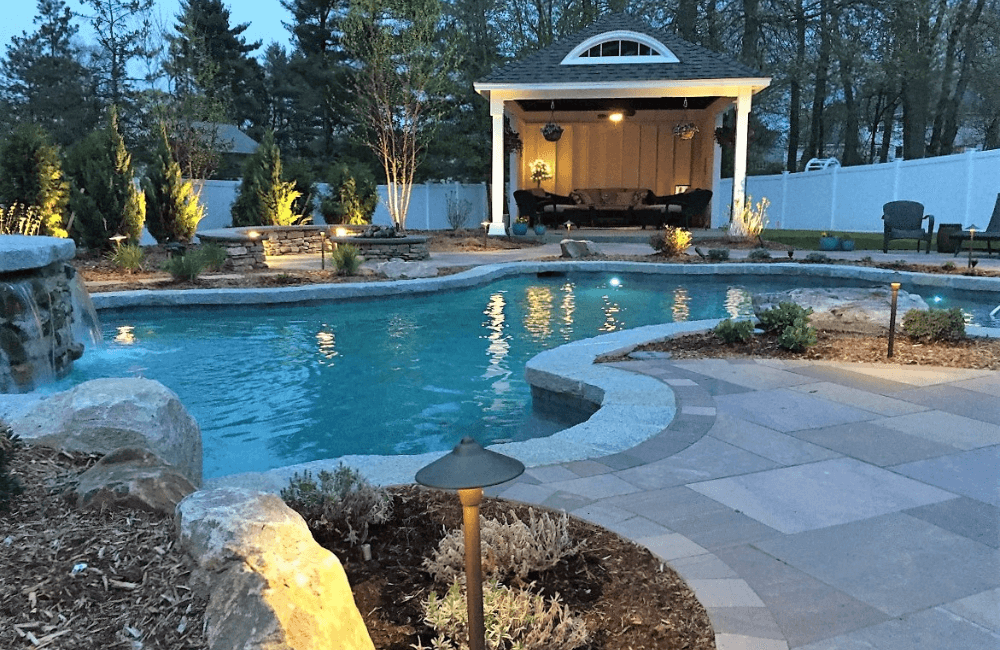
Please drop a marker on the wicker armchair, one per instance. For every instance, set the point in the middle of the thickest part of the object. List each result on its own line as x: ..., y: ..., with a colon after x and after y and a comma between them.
x: 904, y: 220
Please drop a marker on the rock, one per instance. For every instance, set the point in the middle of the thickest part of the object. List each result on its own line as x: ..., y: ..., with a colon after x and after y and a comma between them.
x: 106, y: 414
x: 272, y: 585
x: 574, y: 248
x: 396, y: 268
x: 132, y: 478
x: 862, y: 311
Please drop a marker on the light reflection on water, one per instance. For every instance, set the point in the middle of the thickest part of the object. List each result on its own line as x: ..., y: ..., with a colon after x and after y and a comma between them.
x: 276, y: 386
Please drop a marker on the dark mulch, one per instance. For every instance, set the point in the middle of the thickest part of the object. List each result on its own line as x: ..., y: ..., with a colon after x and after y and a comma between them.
x: 629, y: 599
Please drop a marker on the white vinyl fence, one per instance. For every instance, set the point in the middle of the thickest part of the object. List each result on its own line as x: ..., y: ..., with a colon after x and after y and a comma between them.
x: 958, y: 189
x: 428, y: 205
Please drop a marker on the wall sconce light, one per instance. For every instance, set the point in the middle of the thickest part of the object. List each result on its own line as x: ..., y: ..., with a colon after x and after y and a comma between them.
x: 341, y: 232
x: 616, y: 117
x: 469, y: 468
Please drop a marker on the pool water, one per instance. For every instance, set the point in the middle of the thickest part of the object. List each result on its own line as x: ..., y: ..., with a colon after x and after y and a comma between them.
x: 275, y: 386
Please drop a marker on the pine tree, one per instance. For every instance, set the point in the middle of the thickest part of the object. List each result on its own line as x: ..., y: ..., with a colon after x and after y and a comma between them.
x: 264, y: 199
x: 31, y: 175
x: 104, y: 197
x: 172, y: 208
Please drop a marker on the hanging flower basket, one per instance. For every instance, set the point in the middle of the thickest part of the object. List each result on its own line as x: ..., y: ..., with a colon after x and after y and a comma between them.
x: 552, y: 132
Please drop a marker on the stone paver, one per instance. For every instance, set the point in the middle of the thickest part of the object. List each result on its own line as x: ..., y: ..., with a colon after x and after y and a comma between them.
x: 973, y: 473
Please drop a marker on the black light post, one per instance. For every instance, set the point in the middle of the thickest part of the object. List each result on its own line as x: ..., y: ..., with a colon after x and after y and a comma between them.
x: 972, y: 237
x: 892, y: 316
x: 469, y: 468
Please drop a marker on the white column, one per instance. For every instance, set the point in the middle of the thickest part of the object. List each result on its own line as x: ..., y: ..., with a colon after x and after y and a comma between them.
x: 740, y: 161
x: 496, y: 194
x: 717, y: 217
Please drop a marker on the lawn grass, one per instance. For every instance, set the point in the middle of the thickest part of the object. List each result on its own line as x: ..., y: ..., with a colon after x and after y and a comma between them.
x: 863, y: 241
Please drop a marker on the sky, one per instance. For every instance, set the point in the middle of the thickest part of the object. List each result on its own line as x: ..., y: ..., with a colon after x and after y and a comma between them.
x: 265, y: 18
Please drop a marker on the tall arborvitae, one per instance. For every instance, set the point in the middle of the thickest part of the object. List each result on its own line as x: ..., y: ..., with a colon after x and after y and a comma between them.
x: 264, y: 199
x: 104, y: 200
x: 172, y: 207
x: 31, y: 175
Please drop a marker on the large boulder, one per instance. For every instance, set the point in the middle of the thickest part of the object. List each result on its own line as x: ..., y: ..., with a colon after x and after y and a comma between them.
x: 106, y: 414
x: 395, y: 269
x: 271, y: 585
x: 861, y: 311
x: 575, y: 248
x: 132, y: 478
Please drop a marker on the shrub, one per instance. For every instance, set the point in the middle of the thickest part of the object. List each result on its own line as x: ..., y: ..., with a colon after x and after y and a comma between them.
x: 9, y: 485
x: 718, y: 254
x: 346, y: 258
x: 172, y: 207
x: 20, y: 219
x: 515, y: 548
x: 213, y: 255
x: 458, y: 211
x: 749, y: 220
x: 817, y: 258
x: 949, y: 266
x: 104, y: 196
x: 344, y: 499
x: 513, y: 618
x: 352, y: 197
x: 128, y: 257
x: 185, y: 268
x: 671, y: 242
x: 934, y: 324
x: 798, y: 336
x: 759, y: 254
x: 730, y: 331
x: 776, y: 319
x: 31, y: 175
x: 263, y: 198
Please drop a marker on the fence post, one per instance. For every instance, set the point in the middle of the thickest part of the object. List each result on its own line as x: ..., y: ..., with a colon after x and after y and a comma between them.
x: 427, y: 205
x: 833, y: 197
x: 969, y: 168
x: 784, y: 199
x: 897, y: 170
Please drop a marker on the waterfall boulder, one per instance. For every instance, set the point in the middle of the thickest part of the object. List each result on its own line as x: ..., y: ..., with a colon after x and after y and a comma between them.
x: 103, y: 415
x: 576, y: 248
x: 272, y: 585
x: 862, y: 311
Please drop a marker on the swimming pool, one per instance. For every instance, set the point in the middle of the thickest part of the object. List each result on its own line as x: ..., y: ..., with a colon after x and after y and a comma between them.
x: 275, y: 386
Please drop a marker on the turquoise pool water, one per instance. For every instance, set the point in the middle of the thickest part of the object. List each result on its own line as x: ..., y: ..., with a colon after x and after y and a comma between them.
x: 275, y: 386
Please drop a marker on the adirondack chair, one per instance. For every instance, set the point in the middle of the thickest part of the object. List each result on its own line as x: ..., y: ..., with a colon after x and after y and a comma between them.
x: 904, y: 220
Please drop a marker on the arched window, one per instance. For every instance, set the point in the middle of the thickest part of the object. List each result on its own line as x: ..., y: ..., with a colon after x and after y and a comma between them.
x: 620, y: 47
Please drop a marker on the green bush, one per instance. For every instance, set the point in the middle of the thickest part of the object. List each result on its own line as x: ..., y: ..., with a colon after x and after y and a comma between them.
x: 759, y: 254
x: 9, y: 485
x: 672, y: 241
x: 949, y: 266
x: 347, y: 259
x: 513, y: 618
x: 104, y: 197
x: 798, y: 336
x: 730, y: 331
x: 172, y: 207
x: 213, y: 255
x: 352, y: 196
x: 776, y: 319
x: 31, y: 175
x: 263, y: 198
x: 817, y: 258
x: 128, y: 257
x: 20, y: 219
x: 718, y: 254
x: 343, y: 499
x: 934, y: 324
x: 185, y: 268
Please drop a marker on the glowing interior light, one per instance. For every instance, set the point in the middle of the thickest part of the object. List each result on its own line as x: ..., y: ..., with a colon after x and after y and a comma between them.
x: 615, y: 282
x: 616, y: 117
x: 341, y: 232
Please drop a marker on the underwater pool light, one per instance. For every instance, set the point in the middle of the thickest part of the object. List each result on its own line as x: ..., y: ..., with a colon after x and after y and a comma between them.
x: 615, y: 282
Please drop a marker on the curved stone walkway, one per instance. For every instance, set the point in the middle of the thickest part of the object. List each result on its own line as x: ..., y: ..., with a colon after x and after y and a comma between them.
x: 812, y: 505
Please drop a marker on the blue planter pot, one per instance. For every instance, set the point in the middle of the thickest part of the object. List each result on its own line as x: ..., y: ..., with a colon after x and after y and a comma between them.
x: 846, y: 244
x: 539, y: 229
x: 519, y: 228
x: 828, y: 243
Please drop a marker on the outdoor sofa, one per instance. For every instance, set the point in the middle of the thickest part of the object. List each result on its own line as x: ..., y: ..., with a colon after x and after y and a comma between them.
x: 615, y: 206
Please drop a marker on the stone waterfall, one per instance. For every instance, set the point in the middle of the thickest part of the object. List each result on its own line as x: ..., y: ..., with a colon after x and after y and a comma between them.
x: 46, y: 317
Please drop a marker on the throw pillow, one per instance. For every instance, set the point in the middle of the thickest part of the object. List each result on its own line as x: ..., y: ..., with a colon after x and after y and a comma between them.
x: 580, y: 197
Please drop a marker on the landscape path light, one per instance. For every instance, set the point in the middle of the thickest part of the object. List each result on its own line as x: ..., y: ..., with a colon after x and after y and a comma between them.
x: 892, y: 316
x: 469, y: 468
x: 972, y: 237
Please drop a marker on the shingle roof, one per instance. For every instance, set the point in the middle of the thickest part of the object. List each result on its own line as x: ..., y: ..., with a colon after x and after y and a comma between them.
x: 696, y: 62
x: 229, y: 138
